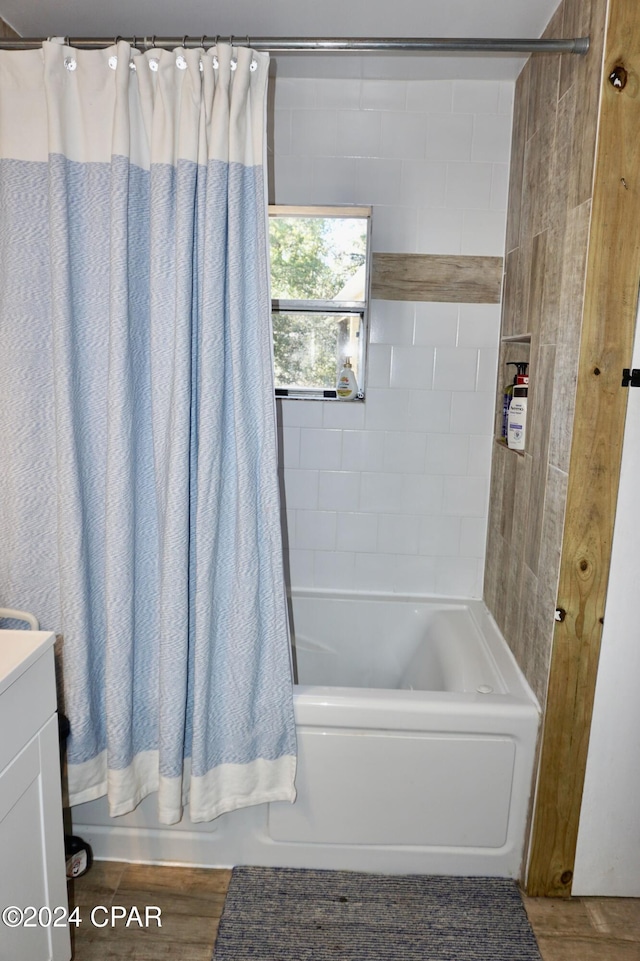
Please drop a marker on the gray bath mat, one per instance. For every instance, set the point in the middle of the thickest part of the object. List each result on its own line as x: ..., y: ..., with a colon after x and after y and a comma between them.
x: 284, y: 914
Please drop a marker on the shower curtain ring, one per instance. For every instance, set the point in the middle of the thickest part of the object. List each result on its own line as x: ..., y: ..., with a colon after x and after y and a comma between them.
x: 202, y: 40
x: 184, y: 41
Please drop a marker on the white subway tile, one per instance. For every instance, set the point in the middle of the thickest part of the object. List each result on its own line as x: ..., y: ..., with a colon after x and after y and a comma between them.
x: 314, y: 133
x: 424, y: 183
x: 429, y: 411
x: 320, y: 449
x: 440, y: 231
x: 404, y: 453
x: 343, y: 414
x: 487, y: 368
x: 316, y: 530
x: 473, y: 536
x: 395, y: 229
x: 386, y: 409
x: 333, y: 180
x: 338, y: 94
x: 447, y: 454
x: 381, y: 492
x: 436, y: 325
x: 291, y: 180
x: 449, y: 137
x: 362, y: 450
x: 456, y: 577
x: 421, y: 494
x: 439, y: 536
x: 374, y: 572
x: 359, y: 133
x: 289, y: 453
x: 472, y: 412
x: 469, y: 185
x: 412, y: 367
x: 357, y: 532
x: 379, y: 365
x: 300, y: 568
x: 334, y: 570
x: 281, y: 132
x: 507, y: 93
x: 491, y: 138
x: 455, y: 368
x: 466, y: 496
x: 301, y: 489
x: 500, y: 186
x: 300, y: 413
x: 414, y: 574
x: 383, y: 95
x: 476, y: 96
x: 299, y: 93
x: 403, y: 135
x: 480, y: 453
x: 479, y: 325
x: 398, y: 534
x: 377, y: 181
x: 391, y: 322
x: 338, y: 490
x: 430, y: 96
x: 483, y: 232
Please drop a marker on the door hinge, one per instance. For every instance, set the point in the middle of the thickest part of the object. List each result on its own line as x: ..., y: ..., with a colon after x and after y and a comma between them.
x: 631, y: 378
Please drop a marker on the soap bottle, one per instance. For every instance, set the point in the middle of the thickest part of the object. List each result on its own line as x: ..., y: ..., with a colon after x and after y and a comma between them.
x: 521, y: 370
x: 347, y: 386
x: 517, y: 420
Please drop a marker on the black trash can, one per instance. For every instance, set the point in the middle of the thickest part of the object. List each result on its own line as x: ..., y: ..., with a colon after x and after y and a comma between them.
x: 78, y: 854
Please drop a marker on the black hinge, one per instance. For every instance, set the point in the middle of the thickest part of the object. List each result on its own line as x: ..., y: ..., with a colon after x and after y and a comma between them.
x: 631, y: 378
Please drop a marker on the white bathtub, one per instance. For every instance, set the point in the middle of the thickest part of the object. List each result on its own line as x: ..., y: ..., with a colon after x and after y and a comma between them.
x: 416, y: 739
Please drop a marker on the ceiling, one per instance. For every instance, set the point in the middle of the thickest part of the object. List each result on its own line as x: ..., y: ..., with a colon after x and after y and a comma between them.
x: 307, y: 18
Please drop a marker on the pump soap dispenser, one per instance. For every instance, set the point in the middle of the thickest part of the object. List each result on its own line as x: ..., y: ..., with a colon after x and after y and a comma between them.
x: 347, y: 386
x: 521, y: 371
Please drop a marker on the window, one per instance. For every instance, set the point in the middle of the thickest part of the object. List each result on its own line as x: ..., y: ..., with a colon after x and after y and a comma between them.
x: 319, y: 287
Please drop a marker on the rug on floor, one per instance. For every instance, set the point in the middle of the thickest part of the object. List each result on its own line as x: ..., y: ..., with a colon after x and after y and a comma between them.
x: 287, y: 914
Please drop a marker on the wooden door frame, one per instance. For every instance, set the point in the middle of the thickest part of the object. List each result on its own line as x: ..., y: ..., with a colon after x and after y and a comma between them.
x: 608, y: 326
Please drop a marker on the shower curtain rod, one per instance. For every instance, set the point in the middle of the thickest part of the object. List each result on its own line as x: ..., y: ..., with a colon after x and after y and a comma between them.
x: 579, y: 45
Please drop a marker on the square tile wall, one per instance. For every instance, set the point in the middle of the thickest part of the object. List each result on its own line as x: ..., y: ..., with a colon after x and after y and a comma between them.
x: 392, y: 494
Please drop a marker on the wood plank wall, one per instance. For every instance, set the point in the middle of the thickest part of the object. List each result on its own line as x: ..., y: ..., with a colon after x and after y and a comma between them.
x: 7, y: 31
x: 608, y: 326
x: 571, y: 283
x: 549, y: 212
x: 436, y: 278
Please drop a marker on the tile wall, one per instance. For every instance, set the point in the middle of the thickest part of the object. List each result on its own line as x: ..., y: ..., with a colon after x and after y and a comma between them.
x: 556, y: 115
x: 392, y: 494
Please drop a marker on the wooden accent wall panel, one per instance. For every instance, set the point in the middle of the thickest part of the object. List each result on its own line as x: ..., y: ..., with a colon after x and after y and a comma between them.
x: 437, y: 278
x: 612, y: 275
x: 7, y: 31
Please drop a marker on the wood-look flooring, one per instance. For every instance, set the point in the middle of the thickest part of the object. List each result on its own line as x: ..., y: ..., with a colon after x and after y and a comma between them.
x: 191, y: 902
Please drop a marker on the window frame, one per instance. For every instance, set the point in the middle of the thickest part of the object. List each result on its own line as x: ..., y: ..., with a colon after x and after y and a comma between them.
x: 337, y: 307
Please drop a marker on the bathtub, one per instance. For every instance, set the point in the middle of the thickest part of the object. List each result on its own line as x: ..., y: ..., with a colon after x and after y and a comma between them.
x: 416, y: 746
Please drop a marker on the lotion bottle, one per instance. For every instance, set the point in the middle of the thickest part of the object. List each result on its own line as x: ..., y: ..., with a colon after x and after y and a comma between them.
x: 517, y: 423
x: 521, y: 371
x: 347, y: 386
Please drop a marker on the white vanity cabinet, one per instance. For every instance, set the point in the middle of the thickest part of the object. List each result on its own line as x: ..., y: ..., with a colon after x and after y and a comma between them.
x: 32, y: 861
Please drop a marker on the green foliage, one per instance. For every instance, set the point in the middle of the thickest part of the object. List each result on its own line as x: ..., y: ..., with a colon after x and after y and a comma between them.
x: 311, y: 259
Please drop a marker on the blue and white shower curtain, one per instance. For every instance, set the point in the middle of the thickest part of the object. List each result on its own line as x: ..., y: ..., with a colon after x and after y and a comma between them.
x: 139, y: 506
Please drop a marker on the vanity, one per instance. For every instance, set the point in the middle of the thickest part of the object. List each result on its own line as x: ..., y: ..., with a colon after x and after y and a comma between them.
x: 32, y: 859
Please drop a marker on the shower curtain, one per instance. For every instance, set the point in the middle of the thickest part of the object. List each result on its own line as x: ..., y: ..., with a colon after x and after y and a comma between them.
x: 139, y: 508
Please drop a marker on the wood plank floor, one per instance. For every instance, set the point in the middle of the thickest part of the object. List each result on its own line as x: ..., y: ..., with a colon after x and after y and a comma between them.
x: 191, y: 902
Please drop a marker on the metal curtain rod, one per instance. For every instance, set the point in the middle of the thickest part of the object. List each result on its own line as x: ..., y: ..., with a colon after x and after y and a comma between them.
x: 579, y: 45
